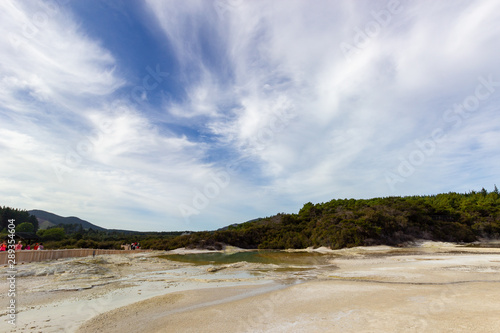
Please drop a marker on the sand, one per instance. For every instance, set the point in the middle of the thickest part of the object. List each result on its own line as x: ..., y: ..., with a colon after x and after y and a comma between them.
x: 433, y: 287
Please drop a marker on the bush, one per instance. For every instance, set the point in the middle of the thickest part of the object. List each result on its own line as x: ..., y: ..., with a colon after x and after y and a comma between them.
x: 86, y: 244
x: 54, y: 234
x: 25, y: 227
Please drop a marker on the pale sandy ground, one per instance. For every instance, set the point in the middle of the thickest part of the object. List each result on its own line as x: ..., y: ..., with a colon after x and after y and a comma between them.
x: 435, y: 287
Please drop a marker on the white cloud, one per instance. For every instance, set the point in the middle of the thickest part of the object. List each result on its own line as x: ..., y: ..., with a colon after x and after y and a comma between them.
x: 68, y: 143
x: 47, y: 56
x: 269, y: 85
x: 353, y: 117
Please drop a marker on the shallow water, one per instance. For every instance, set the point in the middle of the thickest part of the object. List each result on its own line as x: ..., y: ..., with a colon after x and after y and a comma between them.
x: 258, y: 257
x: 484, y: 245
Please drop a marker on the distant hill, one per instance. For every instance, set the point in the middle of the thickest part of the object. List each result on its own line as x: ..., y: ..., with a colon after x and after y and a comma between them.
x: 44, y: 224
x: 46, y: 220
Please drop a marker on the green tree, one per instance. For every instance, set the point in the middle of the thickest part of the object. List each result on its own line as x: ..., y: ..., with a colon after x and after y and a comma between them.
x: 484, y: 192
x: 34, y: 221
x: 53, y: 234
x: 25, y: 227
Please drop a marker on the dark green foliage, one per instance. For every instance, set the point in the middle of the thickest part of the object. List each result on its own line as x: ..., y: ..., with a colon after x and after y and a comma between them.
x: 25, y: 227
x: 53, y: 234
x: 338, y: 223
x: 342, y: 223
x: 19, y: 215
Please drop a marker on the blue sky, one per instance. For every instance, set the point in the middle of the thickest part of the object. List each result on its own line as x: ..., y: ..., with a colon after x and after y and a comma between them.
x: 192, y: 115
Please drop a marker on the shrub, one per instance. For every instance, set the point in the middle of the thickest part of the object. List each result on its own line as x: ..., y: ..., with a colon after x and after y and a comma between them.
x: 54, y: 234
x: 25, y: 227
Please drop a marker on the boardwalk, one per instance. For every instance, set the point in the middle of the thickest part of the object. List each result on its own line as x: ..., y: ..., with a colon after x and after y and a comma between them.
x: 31, y: 255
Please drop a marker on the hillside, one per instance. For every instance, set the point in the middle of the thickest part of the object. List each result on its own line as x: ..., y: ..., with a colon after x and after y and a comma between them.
x: 46, y: 220
x: 339, y: 223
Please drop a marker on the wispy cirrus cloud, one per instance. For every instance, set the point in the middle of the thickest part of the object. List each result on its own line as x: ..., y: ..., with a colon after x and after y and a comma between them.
x: 353, y: 118
x: 71, y: 143
x: 290, y: 101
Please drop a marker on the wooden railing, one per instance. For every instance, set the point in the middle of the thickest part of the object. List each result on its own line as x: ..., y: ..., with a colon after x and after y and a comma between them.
x: 41, y: 255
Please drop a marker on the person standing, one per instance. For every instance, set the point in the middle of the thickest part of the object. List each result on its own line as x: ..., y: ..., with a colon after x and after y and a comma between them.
x: 19, y: 246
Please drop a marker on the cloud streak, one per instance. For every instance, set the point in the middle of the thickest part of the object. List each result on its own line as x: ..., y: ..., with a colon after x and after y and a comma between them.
x: 264, y: 92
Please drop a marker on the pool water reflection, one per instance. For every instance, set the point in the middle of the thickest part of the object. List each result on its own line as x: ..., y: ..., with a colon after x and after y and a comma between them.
x: 259, y: 257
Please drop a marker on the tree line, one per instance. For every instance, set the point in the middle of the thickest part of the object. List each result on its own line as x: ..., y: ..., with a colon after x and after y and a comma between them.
x: 75, y: 236
x: 452, y: 217
x: 339, y: 223
x: 24, y: 221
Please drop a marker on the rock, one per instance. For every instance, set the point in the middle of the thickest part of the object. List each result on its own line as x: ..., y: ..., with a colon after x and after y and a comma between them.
x: 215, y: 269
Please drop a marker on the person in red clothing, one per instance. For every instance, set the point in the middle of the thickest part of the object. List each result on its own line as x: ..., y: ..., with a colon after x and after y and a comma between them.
x: 19, y: 246
x: 3, y: 247
x: 36, y: 247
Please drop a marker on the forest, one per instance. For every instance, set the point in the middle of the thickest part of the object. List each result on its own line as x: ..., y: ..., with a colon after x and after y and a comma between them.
x: 339, y: 223
x: 20, y: 216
